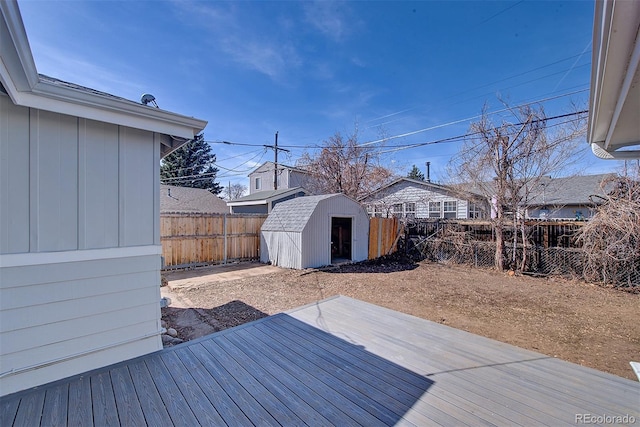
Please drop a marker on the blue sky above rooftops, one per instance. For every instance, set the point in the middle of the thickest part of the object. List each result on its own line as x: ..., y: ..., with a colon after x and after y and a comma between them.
x: 309, y: 69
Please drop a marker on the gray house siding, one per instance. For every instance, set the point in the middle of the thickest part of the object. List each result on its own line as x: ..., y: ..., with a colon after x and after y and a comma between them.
x: 297, y: 179
x: 404, y: 192
x: 80, y: 252
x: 250, y: 209
x: 288, y: 177
x: 58, y: 190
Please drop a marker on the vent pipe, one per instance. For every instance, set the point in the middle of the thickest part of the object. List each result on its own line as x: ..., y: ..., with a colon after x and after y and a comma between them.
x: 428, y: 178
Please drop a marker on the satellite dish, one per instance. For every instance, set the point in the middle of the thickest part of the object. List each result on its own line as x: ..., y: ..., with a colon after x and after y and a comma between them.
x: 147, y: 99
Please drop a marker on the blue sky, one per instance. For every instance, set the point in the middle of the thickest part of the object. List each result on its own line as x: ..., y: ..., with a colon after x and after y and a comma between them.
x: 309, y: 69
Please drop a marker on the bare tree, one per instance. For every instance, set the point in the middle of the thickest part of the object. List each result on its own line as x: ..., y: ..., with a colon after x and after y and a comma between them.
x: 344, y: 166
x: 506, y: 163
x: 234, y: 191
x: 611, y: 238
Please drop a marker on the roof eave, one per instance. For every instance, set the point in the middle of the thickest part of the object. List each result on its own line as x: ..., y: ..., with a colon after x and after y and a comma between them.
x: 614, y: 80
x: 19, y: 77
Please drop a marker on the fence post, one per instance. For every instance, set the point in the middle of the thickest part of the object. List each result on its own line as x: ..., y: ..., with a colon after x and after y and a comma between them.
x: 475, y: 254
x: 224, y: 226
x: 379, y: 237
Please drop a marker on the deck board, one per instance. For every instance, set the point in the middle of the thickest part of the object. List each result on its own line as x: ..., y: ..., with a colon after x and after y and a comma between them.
x: 80, y: 407
x: 54, y: 412
x: 127, y: 399
x: 336, y: 362
x: 105, y: 412
x: 153, y: 408
x: 175, y: 403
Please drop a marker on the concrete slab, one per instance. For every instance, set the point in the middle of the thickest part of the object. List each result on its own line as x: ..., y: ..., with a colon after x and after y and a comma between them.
x: 218, y: 273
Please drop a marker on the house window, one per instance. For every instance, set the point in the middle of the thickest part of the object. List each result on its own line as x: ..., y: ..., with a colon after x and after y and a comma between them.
x: 398, y: 210
x: 434, y: 209
x: 410, y: 210
x: 451, y: 209
x: 374, y: 211
x: 475, y: 212
x: 258, y: 184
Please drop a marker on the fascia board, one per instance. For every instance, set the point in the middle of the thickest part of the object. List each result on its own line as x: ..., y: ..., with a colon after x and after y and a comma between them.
x: 23, y: 73
x: 248, y: 203
x: 615, y: 34
x: 49, y: 97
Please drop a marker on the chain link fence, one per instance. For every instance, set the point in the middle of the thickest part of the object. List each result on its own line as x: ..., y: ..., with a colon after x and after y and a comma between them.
x: 554, y: 261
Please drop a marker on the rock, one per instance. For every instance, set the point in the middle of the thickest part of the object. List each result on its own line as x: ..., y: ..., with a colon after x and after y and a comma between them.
x: 165, y: 302
x: 168, y: 341
x: 163, y: 324
x: 172, y: 332
x: 163, y: 281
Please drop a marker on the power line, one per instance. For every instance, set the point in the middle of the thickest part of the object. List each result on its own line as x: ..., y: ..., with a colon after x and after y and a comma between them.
x: 466, y: 119
x: 461, y: 137
x: 579, y: 55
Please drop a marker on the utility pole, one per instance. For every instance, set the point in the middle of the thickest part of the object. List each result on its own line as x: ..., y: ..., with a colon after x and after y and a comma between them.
x: 275, y: 148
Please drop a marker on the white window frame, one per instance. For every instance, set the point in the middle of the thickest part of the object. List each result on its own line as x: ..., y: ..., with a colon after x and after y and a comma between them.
x: 447, y: 213
x: 258, y: 183
x: 398, y: 210
x: 475, y: 211
x: 410, y: 210
x: 432, y: 211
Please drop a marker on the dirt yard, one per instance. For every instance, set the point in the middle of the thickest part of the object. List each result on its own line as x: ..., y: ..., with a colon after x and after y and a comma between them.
x: 585, y: 324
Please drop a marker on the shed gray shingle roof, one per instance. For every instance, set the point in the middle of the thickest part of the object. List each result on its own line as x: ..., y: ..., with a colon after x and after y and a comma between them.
x: 190, y: 200
x: 293, y: 214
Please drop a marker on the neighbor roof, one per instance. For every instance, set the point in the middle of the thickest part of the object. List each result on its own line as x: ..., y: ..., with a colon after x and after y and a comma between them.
x: 574, y: 190
x: 263, y: 197
x: 190, y: 200
x: 294, y: 214
x: 280, y: 166
x: 427, y: 184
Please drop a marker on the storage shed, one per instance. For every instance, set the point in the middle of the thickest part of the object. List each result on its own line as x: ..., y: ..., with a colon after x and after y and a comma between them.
x: 313, y: 231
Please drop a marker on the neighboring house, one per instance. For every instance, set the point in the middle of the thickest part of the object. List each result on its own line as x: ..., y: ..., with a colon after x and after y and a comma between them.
x: 314, y: 231
x: 568, y: 198
x: 614, y: 105
x: 409, y: 198
x: 190, y: 200
x: 262, y: 178
x: 263, y: 202
x: 79, y: 220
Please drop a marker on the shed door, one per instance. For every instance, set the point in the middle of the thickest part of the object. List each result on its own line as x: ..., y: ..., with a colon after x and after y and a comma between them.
x: 341, y: 232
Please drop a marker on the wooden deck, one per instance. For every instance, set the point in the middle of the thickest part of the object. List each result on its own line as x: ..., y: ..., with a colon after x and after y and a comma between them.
x: 338, y: 362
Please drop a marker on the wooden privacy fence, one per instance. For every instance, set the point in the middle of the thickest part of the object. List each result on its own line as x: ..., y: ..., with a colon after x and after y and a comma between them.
x: 199, y: 239
x: 383, y: 236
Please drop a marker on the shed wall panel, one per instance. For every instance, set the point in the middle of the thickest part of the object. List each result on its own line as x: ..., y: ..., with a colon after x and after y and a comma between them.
x: 282, y: 248
x: 84, y: 324
x: 14, y: 177
x: 317, y: 232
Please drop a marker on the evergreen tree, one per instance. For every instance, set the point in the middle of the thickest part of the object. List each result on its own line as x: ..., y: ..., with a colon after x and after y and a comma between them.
x: 191, y: 166
x: 415, y: 173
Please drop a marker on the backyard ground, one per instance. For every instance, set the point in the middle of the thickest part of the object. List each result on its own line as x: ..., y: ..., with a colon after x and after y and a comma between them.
x: 582, y: 323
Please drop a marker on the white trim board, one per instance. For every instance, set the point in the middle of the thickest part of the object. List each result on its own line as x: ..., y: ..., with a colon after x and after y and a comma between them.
x: 38, y: 258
